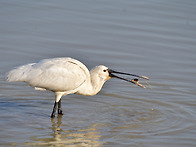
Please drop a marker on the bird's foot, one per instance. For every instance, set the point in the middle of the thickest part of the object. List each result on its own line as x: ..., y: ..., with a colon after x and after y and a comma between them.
x: 60, y: 112
x: 52, y: 115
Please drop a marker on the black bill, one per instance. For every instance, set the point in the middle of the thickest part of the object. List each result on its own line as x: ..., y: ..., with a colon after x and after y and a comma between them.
x: 134, y: 81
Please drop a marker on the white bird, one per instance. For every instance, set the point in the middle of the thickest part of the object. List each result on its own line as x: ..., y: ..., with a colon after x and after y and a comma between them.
x: 65, y: 76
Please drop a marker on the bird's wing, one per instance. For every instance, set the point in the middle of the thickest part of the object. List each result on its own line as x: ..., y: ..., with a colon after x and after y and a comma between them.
x: 59, y: 74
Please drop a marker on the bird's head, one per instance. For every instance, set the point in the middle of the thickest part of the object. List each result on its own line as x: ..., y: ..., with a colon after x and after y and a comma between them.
x: 105, y: 74
x: 102, y: 72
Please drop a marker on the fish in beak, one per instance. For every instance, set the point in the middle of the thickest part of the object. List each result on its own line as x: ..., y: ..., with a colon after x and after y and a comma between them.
x: 112, y: 74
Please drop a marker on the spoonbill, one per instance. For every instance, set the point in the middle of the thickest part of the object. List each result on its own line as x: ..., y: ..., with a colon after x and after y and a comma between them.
x: 65, y: 76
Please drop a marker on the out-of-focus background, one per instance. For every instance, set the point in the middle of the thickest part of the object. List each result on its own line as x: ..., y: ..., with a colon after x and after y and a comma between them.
x: 152, y: 38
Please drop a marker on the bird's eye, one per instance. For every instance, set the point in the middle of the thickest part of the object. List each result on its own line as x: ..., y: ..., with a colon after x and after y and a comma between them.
x: 104, y: 70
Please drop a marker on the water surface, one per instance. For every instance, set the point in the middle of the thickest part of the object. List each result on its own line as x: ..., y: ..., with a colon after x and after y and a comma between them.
x: 152, y: 38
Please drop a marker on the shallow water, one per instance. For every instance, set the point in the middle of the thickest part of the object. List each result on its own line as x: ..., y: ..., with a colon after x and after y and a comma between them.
x: 152, y: 38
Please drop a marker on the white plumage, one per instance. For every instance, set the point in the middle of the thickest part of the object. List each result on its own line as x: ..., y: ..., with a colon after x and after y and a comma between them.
x: 63, y: 76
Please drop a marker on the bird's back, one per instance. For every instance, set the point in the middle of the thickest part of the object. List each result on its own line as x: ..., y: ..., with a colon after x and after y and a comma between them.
x: 57, y: 74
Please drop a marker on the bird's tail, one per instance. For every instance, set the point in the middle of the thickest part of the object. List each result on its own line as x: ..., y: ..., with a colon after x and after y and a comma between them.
x: 19, y: 74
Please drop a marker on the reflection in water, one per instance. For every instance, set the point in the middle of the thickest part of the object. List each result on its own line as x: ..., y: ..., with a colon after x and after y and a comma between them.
x: 63, y: 137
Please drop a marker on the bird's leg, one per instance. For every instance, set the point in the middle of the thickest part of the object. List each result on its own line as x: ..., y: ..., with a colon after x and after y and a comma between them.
x: 54, y: 109
x: 59, y: 108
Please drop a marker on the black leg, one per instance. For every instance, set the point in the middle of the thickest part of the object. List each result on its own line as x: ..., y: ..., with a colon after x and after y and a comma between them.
x: 54, y: 109
x: 59, y: 108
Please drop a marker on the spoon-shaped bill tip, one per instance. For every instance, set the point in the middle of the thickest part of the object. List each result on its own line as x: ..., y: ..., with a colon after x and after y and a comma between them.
x: 145, y: 77
x: 136, y: 82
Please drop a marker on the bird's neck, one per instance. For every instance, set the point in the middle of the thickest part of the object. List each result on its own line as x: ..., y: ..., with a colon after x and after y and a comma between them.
x: 92, y: 86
